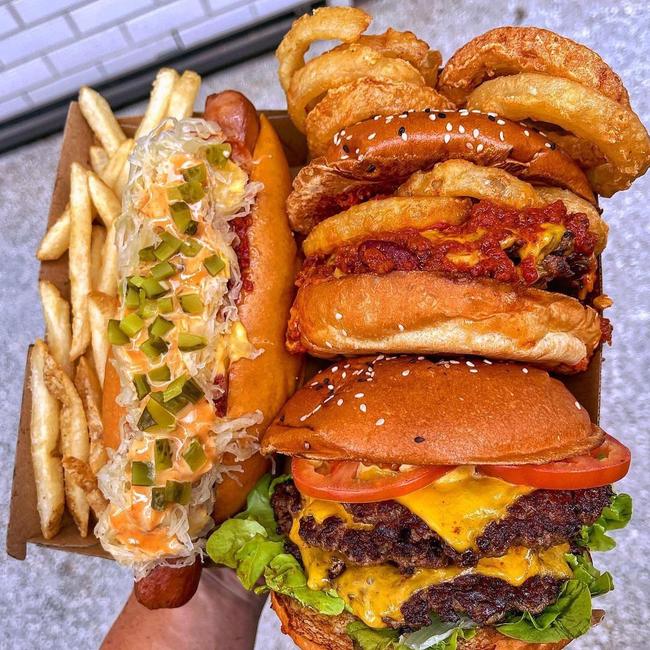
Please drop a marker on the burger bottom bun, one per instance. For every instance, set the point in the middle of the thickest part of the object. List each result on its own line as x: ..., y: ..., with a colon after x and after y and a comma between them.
x: 313, y: 631
x: 429, y: 313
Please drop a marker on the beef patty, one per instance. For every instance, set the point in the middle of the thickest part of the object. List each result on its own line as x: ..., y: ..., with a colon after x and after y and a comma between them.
x: 538, y: 520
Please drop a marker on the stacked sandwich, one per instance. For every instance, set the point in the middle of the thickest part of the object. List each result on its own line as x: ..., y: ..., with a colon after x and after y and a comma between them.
x: 449, y: 500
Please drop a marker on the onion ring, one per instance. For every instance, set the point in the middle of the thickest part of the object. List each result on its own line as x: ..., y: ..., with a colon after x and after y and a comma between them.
x: 328, y: 23
x: 510, y: 50
x: 406, y: 46
x: 615, y: 130
x: 336, y: 68
x: 383, y: 215
x: 597, y: 225
x: 585, y: 153
x: 364, y: 98
x: 462, y: 178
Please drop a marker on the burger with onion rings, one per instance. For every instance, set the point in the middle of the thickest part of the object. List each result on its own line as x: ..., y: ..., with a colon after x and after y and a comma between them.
x: 481, y: 237
x: 448, y: 504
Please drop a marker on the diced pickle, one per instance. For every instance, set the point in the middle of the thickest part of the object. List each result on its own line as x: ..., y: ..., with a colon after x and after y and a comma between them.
x: 131, y: 325
x: 191, y: 228
x: 158, y: 501
x: 153, y: 347
x: 191, y: 248
x: 148, y: 307
x: 176, y: 492
x: 141, y: 386
x: 161, y: 373
x: 218, y: 154
x: 191, y: 303
x: 163, y: 420
x: 163, y: 454
x: 191, y: 342
x: 115, y: 335
x: 213, y: 264
x: 181, y: 214
x: 174, y: 389
x: 153, y: 288
x: 196, y: 173
x: 160, y: 327
x: 174, y: 405
x: 132, y: 298
x: 195, y: 456
x: 141, y: 473
x: 168, y: 246
x: 165, y: 305
x: 146, y: 254
x: 136, y: 281
x: 163, y: 270
x: 191, y: 192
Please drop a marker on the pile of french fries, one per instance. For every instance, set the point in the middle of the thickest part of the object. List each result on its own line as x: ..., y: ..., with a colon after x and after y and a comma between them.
x: 67, y: 369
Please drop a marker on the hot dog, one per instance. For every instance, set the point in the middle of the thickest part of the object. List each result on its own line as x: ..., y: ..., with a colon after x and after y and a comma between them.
x: 207, y: 461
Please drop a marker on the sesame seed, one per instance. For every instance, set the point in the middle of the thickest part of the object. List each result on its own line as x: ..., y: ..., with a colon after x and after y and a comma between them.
x: 461, y: 128
x: 344, y: 156
x: 342, y: 131
x: 400, y: 327
x: 476, y: 110
x: 372, y: 136
x: 479, y: 147
x: 338, y: 315
x: 346, y: 148
x: 420, y: 358
x: 406, y: 373
x: 363, y: 408
x: 401, y: 130
x: 501, y: 122
x: 344, y: 332
x: 335, y: 368
x: 418, y: 439
x: 328, y: 344
x: 469, y: 145
x: 360, y: 157
x: 304, y: 417
x: 307, y: 445
x: 357, y: 150
x: 339, y: 402
x: 432, y: 117
x: 502, y: 137
x: 380, y: 422
x: 492, y: 117
x: 454, y: 362
x: 344, y: 375
x: 389, y: 119
x: 442, y: 115
x: 348, y: 137
x: 526, y: 132
x: 371, y: 168
x: 447, y: 138
x: 547, y: 145
x: 404, y: 136
x: 403, y: 115
x: 487, y: 361
x: 473, y: 370
x: 524, y: 370
x: 463, y: 112
x: 347, y: 365
x: 427, y: 110
x: 359, y: 395
x: 475, y: 133
x: 313, y: 383
x: 470, y: 364
x: 376, y: 117
x: 380, y: 357
x: 578, y: 406
x: 449, y: 126
x: 317, y: 408
x: 330, y: 387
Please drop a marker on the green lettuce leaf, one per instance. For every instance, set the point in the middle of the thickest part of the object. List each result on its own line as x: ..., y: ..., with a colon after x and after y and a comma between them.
x: 285, y: 576
x: 583, y: 570
x: 438, y: 635
x: 615, y: 516
x: 250, y: 544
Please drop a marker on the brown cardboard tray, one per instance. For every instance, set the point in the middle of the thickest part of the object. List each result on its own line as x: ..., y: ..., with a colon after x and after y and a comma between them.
x: 23, y: 518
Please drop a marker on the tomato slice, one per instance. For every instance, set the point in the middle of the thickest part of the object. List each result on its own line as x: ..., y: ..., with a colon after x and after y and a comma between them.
x: 601, y: 466
x: 352, y: 482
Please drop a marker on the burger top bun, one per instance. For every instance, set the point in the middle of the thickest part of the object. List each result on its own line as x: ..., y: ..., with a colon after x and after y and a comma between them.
x: 422, y: 412
x: 313, y: 631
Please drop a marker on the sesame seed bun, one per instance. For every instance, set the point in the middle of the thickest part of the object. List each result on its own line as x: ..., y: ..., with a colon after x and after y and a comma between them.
x: 421, y: 412
x: 310, y: 630
x: 425, y: 312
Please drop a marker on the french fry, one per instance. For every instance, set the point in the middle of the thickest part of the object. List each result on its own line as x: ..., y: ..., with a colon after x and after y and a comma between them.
x: 107, y: 204
x: 79, y: 258
x: 181, y: 102
x: 56, y: 239
x: 108, y: 277
x: 163, y: 86
x: 56, y: 312
x: 44, y: 434
x: 74, y: 435
x: 122, y: 178
x: 101, y: 308
x: 89, y: 389
x: 98, y: 158
x: 116, y: 163
x: 82, y: 476
x: 97, y: 239
x: 101, y: 120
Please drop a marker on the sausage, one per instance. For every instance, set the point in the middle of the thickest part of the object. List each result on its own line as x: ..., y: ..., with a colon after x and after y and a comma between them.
x: 374, y: 157
x: 237, y: 118
x: 167, y: 587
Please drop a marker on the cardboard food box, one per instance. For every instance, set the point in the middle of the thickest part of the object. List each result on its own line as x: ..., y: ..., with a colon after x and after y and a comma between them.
x: 24, y: 524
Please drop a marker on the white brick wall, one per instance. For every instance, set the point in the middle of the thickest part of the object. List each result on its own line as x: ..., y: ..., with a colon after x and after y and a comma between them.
x: 48, y: 48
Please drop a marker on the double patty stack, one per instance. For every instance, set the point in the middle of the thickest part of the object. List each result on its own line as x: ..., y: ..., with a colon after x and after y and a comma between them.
x: 454, y: 502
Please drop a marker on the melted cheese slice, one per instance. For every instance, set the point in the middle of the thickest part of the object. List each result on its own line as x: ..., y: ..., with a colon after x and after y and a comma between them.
x: 460, y: 505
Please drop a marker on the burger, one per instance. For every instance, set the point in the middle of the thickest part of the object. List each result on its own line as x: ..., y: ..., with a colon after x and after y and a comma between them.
x: 431, y: 504
x: 448, y: 232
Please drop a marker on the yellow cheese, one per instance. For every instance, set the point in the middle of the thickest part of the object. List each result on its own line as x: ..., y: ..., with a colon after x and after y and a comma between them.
x: 461, y: 504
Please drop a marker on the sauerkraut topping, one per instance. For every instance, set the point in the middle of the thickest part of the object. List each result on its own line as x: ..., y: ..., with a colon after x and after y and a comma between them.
x: 178, y: 330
